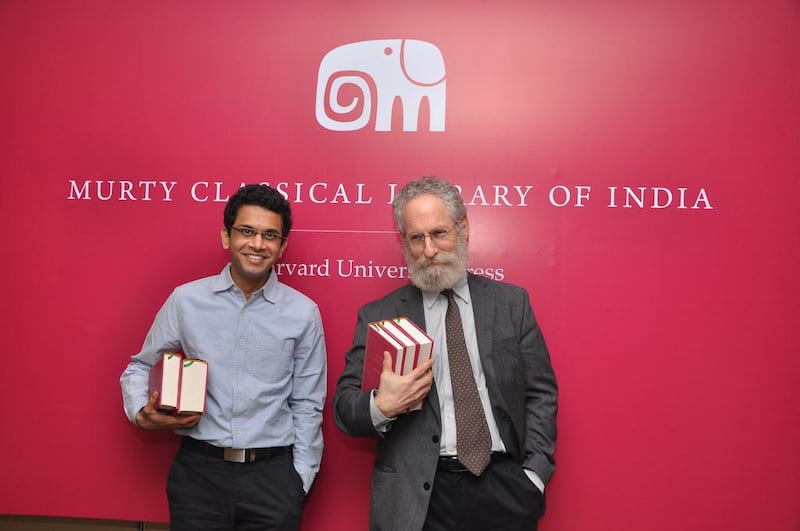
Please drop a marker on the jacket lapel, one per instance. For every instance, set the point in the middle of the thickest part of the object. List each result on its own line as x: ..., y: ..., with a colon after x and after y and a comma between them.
x: 484, y: 305
x: 483, y: 308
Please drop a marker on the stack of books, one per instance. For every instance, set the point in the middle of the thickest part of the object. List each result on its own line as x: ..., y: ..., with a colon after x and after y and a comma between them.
x: 406, y: 343
x: 181, y: 384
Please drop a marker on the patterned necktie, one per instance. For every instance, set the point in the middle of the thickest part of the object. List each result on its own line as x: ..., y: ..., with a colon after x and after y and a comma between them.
x: 474, y: 441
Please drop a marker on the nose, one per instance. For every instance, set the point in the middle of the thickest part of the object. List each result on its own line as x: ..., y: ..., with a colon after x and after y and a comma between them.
x: 429, y: 249
x: 258, y: 241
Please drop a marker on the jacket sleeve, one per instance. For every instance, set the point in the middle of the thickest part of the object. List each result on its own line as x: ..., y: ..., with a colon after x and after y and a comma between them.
x: 350, y: 404
x: 541, y: 396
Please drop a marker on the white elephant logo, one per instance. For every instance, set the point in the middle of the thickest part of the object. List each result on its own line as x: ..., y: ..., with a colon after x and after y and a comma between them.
x: 354, y: 78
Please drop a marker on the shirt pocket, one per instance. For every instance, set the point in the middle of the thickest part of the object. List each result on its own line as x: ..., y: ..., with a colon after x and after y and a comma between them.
x: 271, y: 361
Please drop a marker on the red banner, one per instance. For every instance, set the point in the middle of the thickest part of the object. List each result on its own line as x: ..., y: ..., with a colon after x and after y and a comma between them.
x: 633, y: 165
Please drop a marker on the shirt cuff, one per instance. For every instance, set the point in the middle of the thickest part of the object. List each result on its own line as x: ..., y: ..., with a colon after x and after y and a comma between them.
x: 382, y: 423
x: 534, y: 477
x: 307, y: 477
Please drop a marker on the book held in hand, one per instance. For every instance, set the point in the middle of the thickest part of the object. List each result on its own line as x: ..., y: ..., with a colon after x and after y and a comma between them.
x: 407, y: 344
x: 422, y: 343
x: 194, y: 376
x: 165, y: 377
x: 180, y: 382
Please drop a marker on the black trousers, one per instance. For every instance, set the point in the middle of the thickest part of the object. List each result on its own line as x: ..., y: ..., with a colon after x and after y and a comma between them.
x: 500, y: 499
x: 210, y: 494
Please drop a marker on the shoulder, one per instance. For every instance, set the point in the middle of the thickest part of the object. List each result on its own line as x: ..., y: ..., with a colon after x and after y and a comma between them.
x: 403, y: 293
x: 292, y: 295
x: 407, y: 293
x: 479, y: 286
x: 288, y: 295
x: 198, y: 286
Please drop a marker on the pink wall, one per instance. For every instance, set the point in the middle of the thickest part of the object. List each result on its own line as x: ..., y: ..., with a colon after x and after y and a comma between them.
x: 673, y: 330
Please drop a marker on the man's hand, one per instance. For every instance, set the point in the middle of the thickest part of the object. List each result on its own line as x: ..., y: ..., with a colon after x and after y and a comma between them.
x: 149, y: 418
x: 398, y: 394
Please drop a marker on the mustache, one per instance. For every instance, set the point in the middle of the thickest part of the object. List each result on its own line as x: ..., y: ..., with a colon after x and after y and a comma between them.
x: 438, y: 259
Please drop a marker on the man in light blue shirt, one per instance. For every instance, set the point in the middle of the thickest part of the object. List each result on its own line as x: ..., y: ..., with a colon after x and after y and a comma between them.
x: 250, y: 459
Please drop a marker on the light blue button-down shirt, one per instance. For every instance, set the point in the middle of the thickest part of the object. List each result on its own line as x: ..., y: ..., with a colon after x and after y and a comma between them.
x: 266, y: 365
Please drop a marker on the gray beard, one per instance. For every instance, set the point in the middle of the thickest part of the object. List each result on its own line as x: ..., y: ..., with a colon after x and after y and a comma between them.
x: 450, y: 271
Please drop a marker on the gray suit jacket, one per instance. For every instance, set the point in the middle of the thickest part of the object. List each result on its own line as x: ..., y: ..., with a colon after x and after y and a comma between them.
x: 522, y: 389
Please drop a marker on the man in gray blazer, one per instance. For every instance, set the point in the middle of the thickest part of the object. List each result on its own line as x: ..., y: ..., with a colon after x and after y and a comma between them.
x: 418, y: 481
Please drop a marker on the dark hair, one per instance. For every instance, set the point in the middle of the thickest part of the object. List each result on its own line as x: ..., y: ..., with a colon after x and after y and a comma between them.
x: 431, y: 185
x: 258, y: 195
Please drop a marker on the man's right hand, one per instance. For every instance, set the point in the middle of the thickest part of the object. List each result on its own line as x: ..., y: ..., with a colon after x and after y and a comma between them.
x: 398, y: 394
x: 149, y: 418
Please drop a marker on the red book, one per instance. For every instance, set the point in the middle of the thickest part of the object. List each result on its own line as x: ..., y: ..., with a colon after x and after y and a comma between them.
x: 423, y: 344
x: 407, y: 344
x: 378, y: 342
x: 194, y: 377
x: 165, y: 377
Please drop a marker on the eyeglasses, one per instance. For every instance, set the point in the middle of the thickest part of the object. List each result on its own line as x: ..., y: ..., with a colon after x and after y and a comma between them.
x: 268, y: 235
x: 416, y: 240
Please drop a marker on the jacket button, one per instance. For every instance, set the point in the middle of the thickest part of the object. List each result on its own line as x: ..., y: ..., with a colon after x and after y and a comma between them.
x: 426, y: 486
x: 435, y: 439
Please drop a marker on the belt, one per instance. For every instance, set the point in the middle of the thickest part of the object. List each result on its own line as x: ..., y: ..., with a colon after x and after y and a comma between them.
x: 450, y: 463
x: 234, y: 455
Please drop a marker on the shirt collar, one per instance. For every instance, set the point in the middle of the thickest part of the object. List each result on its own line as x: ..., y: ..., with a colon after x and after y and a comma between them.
x: 270, y: 289
x: 461, y: 290
x: 224, y: 282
